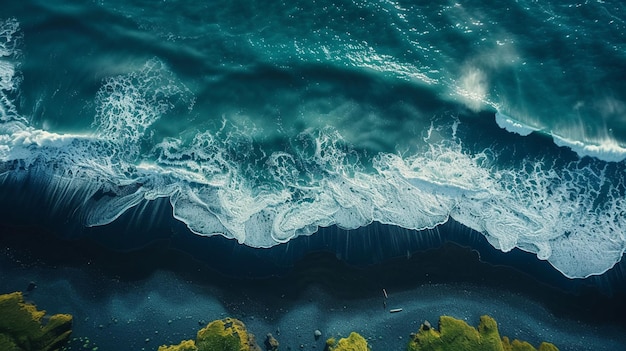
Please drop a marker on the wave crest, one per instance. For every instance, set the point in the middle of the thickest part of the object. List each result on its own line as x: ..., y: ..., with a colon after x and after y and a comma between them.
x: 224, y: 183
x: 10, y: 39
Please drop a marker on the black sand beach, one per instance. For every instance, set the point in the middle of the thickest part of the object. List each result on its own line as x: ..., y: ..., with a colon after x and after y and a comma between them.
x: 158, y: 295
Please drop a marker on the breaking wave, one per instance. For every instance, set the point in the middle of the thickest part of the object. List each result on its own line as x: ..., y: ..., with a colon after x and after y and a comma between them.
x: 606, y: 149
x: 223, y: 182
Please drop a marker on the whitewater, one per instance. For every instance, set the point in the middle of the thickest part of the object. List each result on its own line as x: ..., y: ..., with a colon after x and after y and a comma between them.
x: 323, y: 157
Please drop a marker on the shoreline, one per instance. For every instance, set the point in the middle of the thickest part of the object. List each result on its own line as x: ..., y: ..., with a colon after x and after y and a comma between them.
x: 140, y: 300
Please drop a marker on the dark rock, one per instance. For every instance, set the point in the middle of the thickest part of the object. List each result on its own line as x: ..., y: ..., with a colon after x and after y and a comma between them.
x: 271, y: 344
x: 427, y: 325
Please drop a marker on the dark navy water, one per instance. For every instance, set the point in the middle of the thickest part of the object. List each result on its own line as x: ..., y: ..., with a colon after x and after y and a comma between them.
x: 265, y: 122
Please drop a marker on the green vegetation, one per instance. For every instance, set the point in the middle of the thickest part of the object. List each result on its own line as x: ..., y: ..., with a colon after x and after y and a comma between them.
x: 21, y: 327
x: 517, y: 345
x: 226, y: 334
x: 186, y: 345
x: 456, y: 335
x: 354, y: 342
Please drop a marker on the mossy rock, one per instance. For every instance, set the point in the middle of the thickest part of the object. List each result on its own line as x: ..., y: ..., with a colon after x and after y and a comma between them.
x: 7, y: 343
x: 354, y: 342
x: 546, y: 346
x: 226, y: 334
x: 517, y: 345
x: 21, y: 326
x: 186, y: 345
x: 456, y: 335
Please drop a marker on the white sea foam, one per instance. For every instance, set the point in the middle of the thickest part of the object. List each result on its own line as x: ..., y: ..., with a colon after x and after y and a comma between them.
x: 607, y: 150
x: 473, y: 87
x: 509, y: 124
x: 9, y: 80
x: 127, y: 105
x: 571, y: 216
x: 551, y: 212
x: 40, y: 139
x: 100, y: 167
x: 554, y: 213
x: 536, y: 208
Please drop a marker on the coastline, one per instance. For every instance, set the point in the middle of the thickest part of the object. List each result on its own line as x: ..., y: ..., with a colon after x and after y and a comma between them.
x: 162, y: 294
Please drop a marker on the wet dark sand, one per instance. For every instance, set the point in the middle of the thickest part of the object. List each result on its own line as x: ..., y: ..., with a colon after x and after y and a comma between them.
x: 160, y: 295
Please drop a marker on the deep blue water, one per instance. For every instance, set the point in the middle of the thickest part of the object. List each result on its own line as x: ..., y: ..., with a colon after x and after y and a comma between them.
x: 264, y: 122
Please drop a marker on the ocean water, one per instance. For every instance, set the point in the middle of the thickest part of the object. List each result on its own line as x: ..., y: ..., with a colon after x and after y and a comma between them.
x: 266, y: 121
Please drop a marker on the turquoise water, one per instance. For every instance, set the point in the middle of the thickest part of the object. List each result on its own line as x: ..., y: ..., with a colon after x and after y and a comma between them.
x: 264, y: 122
